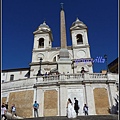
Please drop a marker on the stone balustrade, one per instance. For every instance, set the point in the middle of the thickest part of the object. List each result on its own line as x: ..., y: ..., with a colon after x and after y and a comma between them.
x: 18, y: 84
x: 29, y: 82
x: 72, y: 77
x: 62, y: 77
x: 97, y: 76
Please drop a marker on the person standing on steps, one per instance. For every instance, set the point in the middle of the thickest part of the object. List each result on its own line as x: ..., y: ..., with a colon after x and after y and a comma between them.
x: 35, y: 106
x: 85, y: 109
x: 83, y: 71
x: 70, y: 109
x: 76, y: 106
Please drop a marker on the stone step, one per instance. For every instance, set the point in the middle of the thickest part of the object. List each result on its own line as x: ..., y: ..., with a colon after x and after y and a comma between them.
x: 9, y: 116
x: 89, y: 117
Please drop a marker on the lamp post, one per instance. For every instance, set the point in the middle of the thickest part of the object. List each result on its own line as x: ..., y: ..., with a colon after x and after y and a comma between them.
x: 105, y: 56
x: 40, y: 66
x: 38, y: 74
x: 39, y: 71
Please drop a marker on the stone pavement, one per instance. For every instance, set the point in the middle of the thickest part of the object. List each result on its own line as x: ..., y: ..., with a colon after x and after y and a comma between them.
x: 90, y: 117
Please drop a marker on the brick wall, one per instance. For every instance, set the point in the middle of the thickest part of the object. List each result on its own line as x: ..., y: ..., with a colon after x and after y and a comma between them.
x: 23, y: 101
x: 50, y: 103
x: 4, y: 99
x: 101, y: 101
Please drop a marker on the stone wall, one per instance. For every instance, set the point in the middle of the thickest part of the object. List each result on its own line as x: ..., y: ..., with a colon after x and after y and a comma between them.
x: 101, y: 101
x: 50, y: 103
x: 23, y: 101
x: 4, y: 99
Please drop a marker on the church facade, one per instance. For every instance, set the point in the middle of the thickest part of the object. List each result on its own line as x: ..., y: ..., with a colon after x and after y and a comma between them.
x: 55, y: 75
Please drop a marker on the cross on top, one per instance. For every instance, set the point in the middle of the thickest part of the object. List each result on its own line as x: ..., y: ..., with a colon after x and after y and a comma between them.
x: 62, y: 5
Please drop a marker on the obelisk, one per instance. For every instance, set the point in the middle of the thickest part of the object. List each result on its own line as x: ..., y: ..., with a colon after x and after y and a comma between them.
x: 63, y: 51
x: 64, y: 63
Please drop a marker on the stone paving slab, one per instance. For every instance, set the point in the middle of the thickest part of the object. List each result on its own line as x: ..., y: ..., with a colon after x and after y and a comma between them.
x: 89, y: 117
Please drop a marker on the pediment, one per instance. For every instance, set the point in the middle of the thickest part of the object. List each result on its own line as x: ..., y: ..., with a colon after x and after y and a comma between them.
x: 41, y: 31
x: 78, y: 27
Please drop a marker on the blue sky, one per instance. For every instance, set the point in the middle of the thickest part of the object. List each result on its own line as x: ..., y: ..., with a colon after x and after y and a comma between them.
x: 20, y: 18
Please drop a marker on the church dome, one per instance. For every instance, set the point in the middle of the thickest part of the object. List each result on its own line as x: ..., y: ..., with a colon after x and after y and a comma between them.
x: 44, y: 28
x: 44, y: 25
x: 78, y: 23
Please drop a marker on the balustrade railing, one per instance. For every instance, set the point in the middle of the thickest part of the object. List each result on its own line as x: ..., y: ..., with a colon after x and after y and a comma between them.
x: 62, y: 77
x: 97, y: 76
x: 72, y: 77
x: 52, y: 79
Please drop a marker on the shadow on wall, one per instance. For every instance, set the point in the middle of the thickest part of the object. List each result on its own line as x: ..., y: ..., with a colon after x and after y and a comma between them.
x: 114, y: 109
x: 28, y: 74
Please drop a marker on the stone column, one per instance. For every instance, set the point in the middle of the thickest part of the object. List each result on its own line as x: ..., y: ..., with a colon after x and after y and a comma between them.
x: 63, y: 100
x: 40, y: 100
x: 112, y: 95
x: 90, y: 100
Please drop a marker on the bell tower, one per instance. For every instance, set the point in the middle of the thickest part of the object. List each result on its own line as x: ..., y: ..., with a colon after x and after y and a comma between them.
x: 42, y: 44
x: 42, y: 41
x: 80, y: 45
x: 79, y: 33
x: 42, y: 37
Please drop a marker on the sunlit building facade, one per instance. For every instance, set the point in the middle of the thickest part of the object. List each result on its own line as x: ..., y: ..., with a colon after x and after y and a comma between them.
x: 54, y: 75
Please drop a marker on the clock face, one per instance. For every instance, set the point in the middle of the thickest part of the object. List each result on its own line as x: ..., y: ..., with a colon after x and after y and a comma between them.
x: 40, y: 56
x: 81, y: 54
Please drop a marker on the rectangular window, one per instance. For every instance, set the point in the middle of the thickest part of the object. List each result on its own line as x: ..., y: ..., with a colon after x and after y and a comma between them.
x: 11, y: 77
x: 2, y: 81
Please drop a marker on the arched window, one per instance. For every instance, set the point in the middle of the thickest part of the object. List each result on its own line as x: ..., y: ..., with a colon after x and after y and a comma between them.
x: 11, y: 77
x: 79, y: 39
x: 49, y: 43
x: 56, y: 58
x: 41, y: 43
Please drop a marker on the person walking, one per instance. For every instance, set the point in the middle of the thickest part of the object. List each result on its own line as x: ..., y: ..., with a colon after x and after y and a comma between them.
x: 35, y: 106
x: 85, y: 109
x: 3, y: 111
x: 76, y: 106
x: 6, y: 105
x: 13, y: 110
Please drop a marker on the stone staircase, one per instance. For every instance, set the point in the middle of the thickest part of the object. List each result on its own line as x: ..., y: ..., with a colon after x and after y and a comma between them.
x: 89, y: 117
x: 9, y: 115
